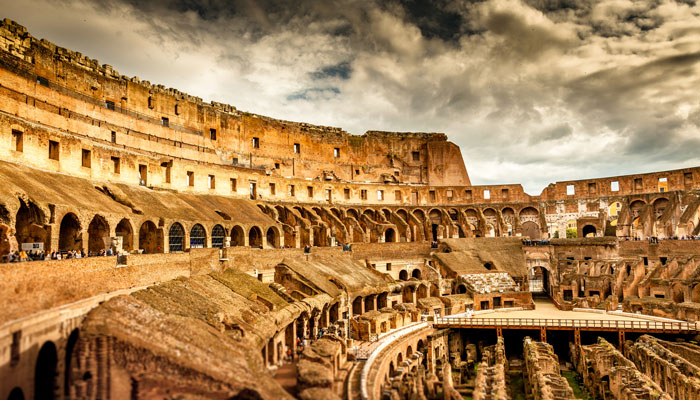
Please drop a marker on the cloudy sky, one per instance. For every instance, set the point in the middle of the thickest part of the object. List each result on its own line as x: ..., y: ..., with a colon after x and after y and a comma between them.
x: 533, y: 91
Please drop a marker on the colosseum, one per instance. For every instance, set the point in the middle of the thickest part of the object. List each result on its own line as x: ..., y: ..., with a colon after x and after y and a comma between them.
x: 157, y: 246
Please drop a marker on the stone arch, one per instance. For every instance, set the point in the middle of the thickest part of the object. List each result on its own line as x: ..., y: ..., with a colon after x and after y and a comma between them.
x: 218, y: 236
x: 70, y: 236
x: 419, y: 214
x: 695, y: 295
x: 382, y: 300
x: 30, y: 225
x: 357, y: 306
x: 390, y: 235
x: 237, y: 236
x: 5, y: 246
x: 660, y: 205
x: 351, y: 212
x: 416, y: 273
x: 46, y: 372
x: 70, y: 359
x: 273, y: 237
x: 255, y: 237
x: 589, y: 231
x: 403, y: 275
x: 150, y: 238
x: 403, y: 214
x: 422, y: 292
x: 434, y: 291
x: 408, y: 294
x: 198, y: 237
x: 98, y: 234
x: 461, y: 288
x: 126, y: 233
x: 677, y: 293
x: 399, y: 358
x: 532, y: 230
x: 16, y: 394
x: 176, y: 237
x: 636, y: 207
x: 409, y: 351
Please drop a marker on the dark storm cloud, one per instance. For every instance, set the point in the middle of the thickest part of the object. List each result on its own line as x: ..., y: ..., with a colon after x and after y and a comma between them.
x: 534, y: 91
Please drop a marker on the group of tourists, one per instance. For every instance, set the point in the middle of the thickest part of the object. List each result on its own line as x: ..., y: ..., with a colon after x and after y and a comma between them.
x: 541, y: 242
x: 40, y: 255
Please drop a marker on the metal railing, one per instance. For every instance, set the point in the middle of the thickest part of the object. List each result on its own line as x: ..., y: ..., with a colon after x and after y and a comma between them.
x: 566, y: 324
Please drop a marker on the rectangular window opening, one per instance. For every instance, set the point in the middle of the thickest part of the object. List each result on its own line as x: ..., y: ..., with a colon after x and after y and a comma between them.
x: 380, y: 195
x: 165, y: 122
x: 253, y: 190
x: 363, y: 194
x: 234, y: 185
x: 167, y: 166
x: 18, y: 140
x: 570, y: 190
x: 297, y: 148
x: 329, y: 195
x: 638, y: 184
x: 336, y: 152
x: 688, y: 178
x: 432, y: 195
x: 449, y: 194
x: 397, y: 195
x: 505, y: 194
x: 487, y: 194
x: 291, y: 191
x: 116, y: 167
x: 592, y: 188
x: 234, y: 161
x: 468, y: 195
x: 190, y: 178
x: 109, y: 105
x: 42, y: 81
x: 87, y: 159
x: 143, y: 174
x: 256, y: 143
x: 416, y: 156
x: 272, y: 189
x: 346, y: 193
x: 212, y: 182
x: 53, y: 150
x: 212, y: 134
x: 614, y: 186
x: 310, y: 192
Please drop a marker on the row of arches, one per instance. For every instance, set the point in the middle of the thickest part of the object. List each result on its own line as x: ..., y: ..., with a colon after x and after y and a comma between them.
x: 31, y: 228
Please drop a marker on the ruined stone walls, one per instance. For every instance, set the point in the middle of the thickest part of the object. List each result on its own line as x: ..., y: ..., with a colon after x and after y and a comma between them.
x: 542, y: 372
x: 491, y: 376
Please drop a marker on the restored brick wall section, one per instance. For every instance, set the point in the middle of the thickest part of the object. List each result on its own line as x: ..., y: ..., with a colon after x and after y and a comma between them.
x: 30, y: 287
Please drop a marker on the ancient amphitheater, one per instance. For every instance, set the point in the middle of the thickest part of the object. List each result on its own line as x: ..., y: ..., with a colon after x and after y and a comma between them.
x: 157, y: 246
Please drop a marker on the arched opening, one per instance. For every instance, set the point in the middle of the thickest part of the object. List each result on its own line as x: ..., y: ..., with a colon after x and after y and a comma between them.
x: 422, y: 292
x: 198, y: 237
x: 176, y: 237
x: 392, y: 370
x: 29, y: 226
x: 390, y: 235
x: 382, y: 299
x: 461, y: 288
x: 45, y: 372
x: 403, y: 275
x: 273, y: 238
x: 369, y: 302
x: 399, y: 359
x: 334, y: 313
x: 435, y: 220
x: 408, y: 294
x: 589, y: 231
x: 695, y: 295
x: 531, y: 230
x: 126, y: 234
x: 70, y: 357
x: 5, y: 242
x: 660, y: 206
x: 488, y: 266
x: 409, y: 352
x: 151, y: 238
x: 357, y: 306
x: 255, y: 237
x: 218, y: 235
x: 16, y: 394
x: 69, y: 236
x: 237, y: 236
x: 301, y: 325
x: 677, y: 293
x: 417, y: 274
x: 98, y: 235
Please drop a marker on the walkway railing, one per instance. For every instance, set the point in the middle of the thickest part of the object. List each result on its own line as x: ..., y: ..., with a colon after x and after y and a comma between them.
x: 585, y: 324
